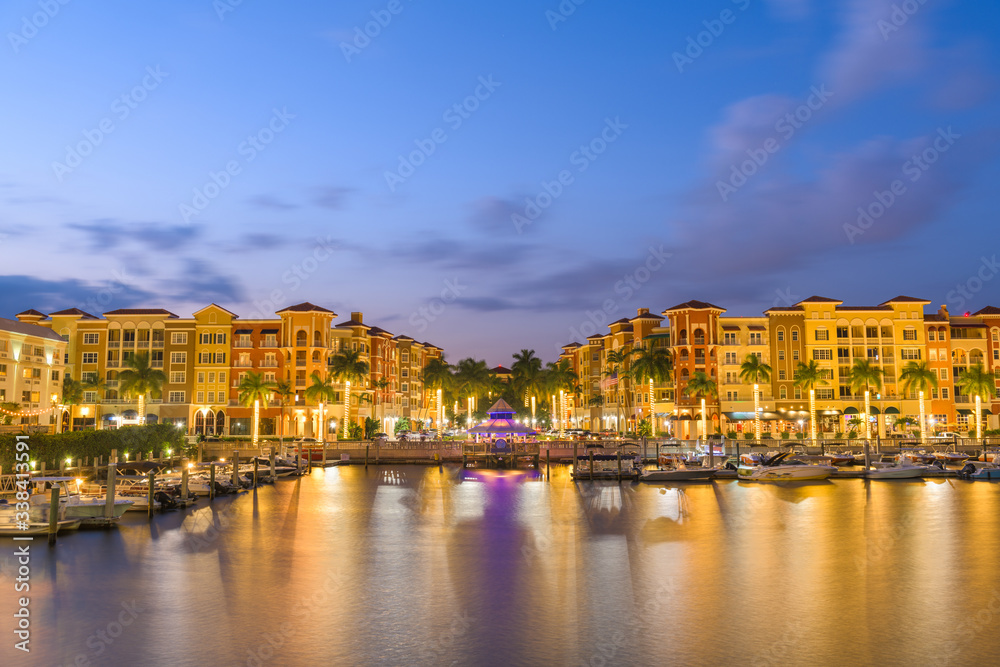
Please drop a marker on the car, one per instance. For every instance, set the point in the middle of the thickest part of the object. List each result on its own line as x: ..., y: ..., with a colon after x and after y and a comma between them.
x: 305, y: 440
x: 376, y: 436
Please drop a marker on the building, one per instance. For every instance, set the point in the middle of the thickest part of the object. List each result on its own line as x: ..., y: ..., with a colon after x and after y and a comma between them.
x: 32, y: 364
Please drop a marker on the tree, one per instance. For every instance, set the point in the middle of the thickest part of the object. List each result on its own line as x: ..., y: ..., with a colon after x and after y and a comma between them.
x: 980, y: 383
x: 321, y: 391
x: 371, y: 427
x: 918, y: 376
x: 381, y: 385
x: 654, y: 365
x: 701, y: 386
x: 754, y: 371
x: 527, y: 376
x: 472, y: 377
x: 139, y: 379
x: 808, y: 376
x: 283, y: 390
x: 559, y: 378
x: 253, y: 392
x: 615, y: 368
x: 72, y: 393
x: 436, y: 376
x: 864, y: 376
x: 347, y: 367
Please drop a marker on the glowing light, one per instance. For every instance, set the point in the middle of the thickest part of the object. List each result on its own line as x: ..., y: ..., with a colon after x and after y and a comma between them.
x: 812, y: 414
x: 868, y: 412
x: 256, y: 422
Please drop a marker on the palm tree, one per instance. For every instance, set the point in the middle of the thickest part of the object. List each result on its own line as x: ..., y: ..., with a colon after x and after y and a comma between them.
x: 615, y: 368
x: 527, y: 375
x: 701, y: 386
x: 754, y: 370
x: 808, y: 376
x: 321, y: 391
x: 347, y: 366
x: 978, y: 382
x: 917, y: 375
x: 472, y: 377
x: 139, y: 379
x: 95, y: 384
x: 254, y: 391
x: 283, y: 390
x: 864, y: 376
x: 381, y: 385
x: 437, y: 377
x: 72, y: 394
x: 654, y: 365
x: 559, y: 379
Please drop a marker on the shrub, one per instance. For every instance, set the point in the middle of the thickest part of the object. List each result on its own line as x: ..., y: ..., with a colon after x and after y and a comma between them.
x: 839, y: 435
x: 748, y: 436
x: 800, y: 435
x: 91, y: 444
x: 852, y: 435
x: 732, y: 435
x: 785, y: 435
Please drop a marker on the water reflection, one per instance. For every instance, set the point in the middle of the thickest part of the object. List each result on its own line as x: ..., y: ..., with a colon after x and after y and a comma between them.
x: 436, y: 565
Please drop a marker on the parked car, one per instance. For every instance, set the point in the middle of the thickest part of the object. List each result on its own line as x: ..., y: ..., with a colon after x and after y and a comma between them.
x: 950, y: 435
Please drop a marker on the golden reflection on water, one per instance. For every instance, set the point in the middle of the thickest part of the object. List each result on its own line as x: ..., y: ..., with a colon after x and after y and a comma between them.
x: 434, y: 565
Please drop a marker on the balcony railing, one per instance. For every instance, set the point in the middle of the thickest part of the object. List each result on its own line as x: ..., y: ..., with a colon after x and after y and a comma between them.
x: 157, y: 344
x: 243, y: 344
x: 143, y: 344
x: 112, y: 364
x: 699, y: 341
x: 300, y: 383
x: 114, y: 343
x: 269, y: 364
x: 243, y: 364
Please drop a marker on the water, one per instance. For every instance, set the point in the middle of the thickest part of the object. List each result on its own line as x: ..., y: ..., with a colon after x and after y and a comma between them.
x: 411, y: 565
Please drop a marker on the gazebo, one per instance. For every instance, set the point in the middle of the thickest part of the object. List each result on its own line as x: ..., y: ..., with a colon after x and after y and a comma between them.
x: 501, y: 423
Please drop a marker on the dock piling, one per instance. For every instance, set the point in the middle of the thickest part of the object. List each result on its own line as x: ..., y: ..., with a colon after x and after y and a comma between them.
x: 184, y: 480
x: 619, y: 464
x: 149, y: 494
x: 236, y: 469
x: 274, y: 473
x: 255, y: 464
x: 591, y: 465
x: 109, y: 493
x: 211, y: 481
x: 548, y: 470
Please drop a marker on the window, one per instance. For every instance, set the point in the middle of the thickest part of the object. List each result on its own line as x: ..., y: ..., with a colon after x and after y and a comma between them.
x: 91, y: 338
x: 90, y: 397
x: 128, y: 337
x: 822, y: 334
x: 26, y: 373
x: 795, y: 334
x: 795, y: 355
x: 844, y: 353
x: 268, y: 377
x: 3, y: 370
x: 934, y: 392
x: 781, y: 374
x: 222, y: 377
x: 201, y: 377
x: 798, y: 393
x: 824, y: 394
x: 220, y: 357
x: 944, y: 392
x: 55, y: 376
x: 755, y: 338
x: 156, y: 359
x: 405, y: 357
x: 944, y: 373
x: 211, y: 396
x: 406, y: 387
x: 932, y: 354
x: 781, y: 355
x: 871, y: 332
x: 90, y: 357
x: 270, y: 340
x: 841, y: 332
x: 177, y: 377
x: 211, y: 378
x: 909, y: 334
x: 178, y: 338
x: 781, y: 335
x: 89, y: 376
x: 822, y: 353
x: 731, y: 358
x: 730, y: 339
x: 909, y: 353
x: 178, y: 357
x: 782, y: 393
x: 405, y: 373
x: 175, y: 397
x: 200, y: 397
x: 931, y: 335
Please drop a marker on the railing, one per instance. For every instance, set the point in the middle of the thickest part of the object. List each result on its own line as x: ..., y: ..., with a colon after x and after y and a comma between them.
x: 157, y: 344
x: 143, y: 344
x: 269, y: 364
x: 156, y: 364
x: 112, y: 364
x: 243, y: 343
x: 114, y: 343
x: 243, y: 364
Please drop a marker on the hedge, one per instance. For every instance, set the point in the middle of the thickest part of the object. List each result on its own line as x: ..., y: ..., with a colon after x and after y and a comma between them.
x: 91, y: 444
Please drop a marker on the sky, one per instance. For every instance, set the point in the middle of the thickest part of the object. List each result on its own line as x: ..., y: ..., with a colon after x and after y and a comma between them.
x: 497, y: 175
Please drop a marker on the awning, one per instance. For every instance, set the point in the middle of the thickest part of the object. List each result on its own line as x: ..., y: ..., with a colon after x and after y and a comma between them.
x: 243, y: 331
x: 830, y: 413
x: 744, y: 416
x: 852, y: 411
x: 656, y: 336
x: 684, y: 418
x: 892, y: 411
x: 269, y: 331
x: 872, y: 410
x: 965, y: 411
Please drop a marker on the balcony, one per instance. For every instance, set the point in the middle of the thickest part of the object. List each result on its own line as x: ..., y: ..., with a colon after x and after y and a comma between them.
x: 269, y: 364
x: 243, y: 344
x: 112, y: 364
x: 699, y: 340
x: 143, y: 344
x: 157, y: 344
x: 246, y: 364
x: 299, y: 384
x: 114, y: 343
x: 156, y: 364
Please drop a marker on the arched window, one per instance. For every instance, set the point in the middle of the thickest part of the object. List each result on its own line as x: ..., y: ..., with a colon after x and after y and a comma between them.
x: 220, y: 422
x: 782, y: 393
x: 300, y: 338
x: 699, y: 337
x: 317, y: 339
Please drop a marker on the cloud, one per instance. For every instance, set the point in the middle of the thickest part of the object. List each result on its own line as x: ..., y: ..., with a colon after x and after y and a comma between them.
x: 331, y: 196
x: 40, y: 199
x: 491, y: 214
x: 202, y: 284
x: 20, y: 292
x: 791, y: 10
x: 271, y: 203
x: 107, y: 234
x: 254, y: 242
x: 452, y: 253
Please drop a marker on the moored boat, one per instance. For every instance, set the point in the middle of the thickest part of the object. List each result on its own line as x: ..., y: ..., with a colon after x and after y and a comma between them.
x: 781, y: 468
x: 673, y: 469
x: 904, y: 468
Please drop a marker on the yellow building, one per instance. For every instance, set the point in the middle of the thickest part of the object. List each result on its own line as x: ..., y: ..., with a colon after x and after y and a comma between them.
x: 31, y: 371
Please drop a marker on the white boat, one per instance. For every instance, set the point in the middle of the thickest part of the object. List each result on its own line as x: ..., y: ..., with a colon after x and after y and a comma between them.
x: 781, y: 468
x: 673, y: 469
x: 88, y: 509
x: 951, y: 458
x: 904, y: 468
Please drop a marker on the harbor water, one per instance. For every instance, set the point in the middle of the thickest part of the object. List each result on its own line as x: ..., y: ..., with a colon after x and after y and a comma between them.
x: 418, y: 565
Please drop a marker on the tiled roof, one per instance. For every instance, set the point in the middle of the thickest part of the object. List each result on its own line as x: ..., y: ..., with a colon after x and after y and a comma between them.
x: 647, y: 316
x: 75, y: 311
x: 404, y: 337
x: 784, y: 309
x: 377, y: 331
x: 32, y: 311
x: 501, y: 370
x: 694, y: 305
x: 141, y: 311
x: 352, y: 323
x: 757, y: 327
x: 596, y: 336
x: 820, y: 299
x: 306, y: 307
x: 623, y: 320
x: 988, y: 310
x: 730, y: 327
x: 904, y: 299
x: 571, y: 345
x: 864, y: 308
x: 28, y: 329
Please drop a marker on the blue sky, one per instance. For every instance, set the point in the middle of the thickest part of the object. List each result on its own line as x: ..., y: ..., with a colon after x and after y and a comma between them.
x: 652, y: 216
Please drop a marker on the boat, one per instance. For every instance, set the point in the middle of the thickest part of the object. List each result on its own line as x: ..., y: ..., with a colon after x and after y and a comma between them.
x: 674, y: 469
x: 13, y: 525
x: 282, y: 467
x: 605, y: 466
x: 904, y: 468
x: 89, y: 509
x: 922, y: 457
x: 781, y: 468
x: 845, y: 459
x: 951, y: 458
x: 989, y: 471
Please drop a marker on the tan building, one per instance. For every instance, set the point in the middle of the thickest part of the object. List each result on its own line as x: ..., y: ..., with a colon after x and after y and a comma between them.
x: 32, y: 363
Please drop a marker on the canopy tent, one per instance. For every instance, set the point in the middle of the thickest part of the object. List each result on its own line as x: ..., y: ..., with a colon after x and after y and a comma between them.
x: 852, y: 411
x: 743, y: 416
x: 966, y: 411
x: 502, y: 421
x: 892, y: 411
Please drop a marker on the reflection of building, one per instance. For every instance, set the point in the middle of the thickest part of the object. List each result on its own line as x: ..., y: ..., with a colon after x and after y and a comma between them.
x: 205, y: 357
x: 32, y: 360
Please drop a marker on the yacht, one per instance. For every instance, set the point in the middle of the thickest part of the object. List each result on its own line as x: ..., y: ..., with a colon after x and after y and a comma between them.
x: 12, y: 523
x: 904, y: 468
x: 672, y: 468
x: 88, y: 509
x: 781, y: 468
